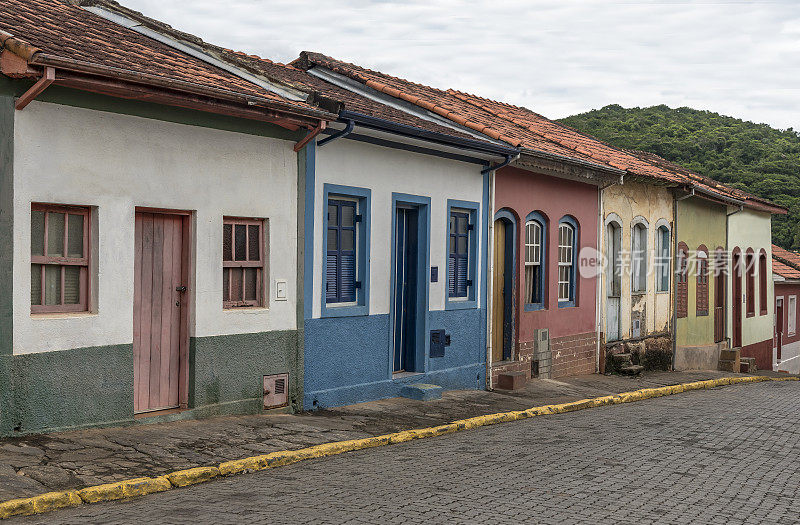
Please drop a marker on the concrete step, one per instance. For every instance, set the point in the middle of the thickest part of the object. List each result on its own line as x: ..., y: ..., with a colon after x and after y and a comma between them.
x: 631, y: 370
x: 512, y: 380
x: 729, y: 354
x: 421, y: 392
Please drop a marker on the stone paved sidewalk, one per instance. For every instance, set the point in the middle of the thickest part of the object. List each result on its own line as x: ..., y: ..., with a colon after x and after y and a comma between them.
x: 32, y: 465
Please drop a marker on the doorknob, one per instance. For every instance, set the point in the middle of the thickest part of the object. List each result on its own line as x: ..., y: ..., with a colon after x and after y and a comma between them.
x: 180, y: 288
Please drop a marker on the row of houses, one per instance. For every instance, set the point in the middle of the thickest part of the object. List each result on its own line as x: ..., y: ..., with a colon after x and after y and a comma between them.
x: 189, y: 231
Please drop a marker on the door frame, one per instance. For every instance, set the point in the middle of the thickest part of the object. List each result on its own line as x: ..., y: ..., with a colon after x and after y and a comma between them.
x: 779, y: 324
x: 720, y: 293
x: 186, y: 304
x: 613, y: 222
x: 423, y: 206
x: 509, y: 308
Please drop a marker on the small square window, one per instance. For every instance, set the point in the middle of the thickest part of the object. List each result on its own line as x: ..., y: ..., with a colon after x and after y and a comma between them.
x: 242, y: 262
x: 59, y: 258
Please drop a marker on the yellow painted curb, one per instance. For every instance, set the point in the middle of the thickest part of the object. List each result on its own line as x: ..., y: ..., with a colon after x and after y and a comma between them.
x: 192, y: 476
x: 142, y: 486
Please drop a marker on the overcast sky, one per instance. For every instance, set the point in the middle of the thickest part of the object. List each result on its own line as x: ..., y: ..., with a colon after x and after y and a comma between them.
x: 556, y: 57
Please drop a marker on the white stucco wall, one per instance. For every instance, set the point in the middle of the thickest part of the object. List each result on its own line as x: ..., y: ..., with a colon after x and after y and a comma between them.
x: 752, y: 229
x: 385, y: 171
x: 117, y: 162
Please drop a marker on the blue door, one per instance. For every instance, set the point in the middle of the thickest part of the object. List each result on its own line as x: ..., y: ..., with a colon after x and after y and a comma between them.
x: 405, y: 289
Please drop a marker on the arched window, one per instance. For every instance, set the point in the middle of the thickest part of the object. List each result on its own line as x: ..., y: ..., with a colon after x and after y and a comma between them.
x: 701, y: 298
x: 662, y: 258
x: 614, y: 256
x: 682, y: 280
x: 639, y: 256
x: 750, y: 269
x: 762, y: 281
x: 535, y: 261
x: 567, y: 244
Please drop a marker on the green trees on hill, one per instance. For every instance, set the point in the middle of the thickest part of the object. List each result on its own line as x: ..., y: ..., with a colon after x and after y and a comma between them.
x: 754, y: 157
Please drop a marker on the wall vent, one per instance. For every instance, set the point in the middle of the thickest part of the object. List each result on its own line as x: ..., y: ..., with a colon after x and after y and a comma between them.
x: 276, y: 391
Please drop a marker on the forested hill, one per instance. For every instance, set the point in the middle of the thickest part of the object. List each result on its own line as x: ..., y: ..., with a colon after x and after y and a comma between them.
x: 754, y: 157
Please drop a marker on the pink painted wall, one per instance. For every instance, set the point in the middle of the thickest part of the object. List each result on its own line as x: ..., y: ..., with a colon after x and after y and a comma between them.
x: 522, y: 192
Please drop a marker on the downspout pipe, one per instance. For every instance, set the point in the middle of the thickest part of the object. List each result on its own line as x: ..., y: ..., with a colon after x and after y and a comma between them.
x: 509, y: 160
x: 339, y: 134
x: 310, y: 136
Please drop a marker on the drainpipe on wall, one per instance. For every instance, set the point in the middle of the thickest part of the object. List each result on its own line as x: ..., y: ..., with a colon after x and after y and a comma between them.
x: 490, y: 281
x: 339, y: 134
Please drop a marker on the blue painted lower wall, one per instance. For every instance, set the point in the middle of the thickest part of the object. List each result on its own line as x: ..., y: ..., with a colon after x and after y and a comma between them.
x: 347, y: 359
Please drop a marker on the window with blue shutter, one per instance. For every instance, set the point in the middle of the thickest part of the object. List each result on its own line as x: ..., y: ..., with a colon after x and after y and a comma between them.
x: 458, y: 280
x: 345, y: 250
x: 462, y: 254
x: 340, y: 275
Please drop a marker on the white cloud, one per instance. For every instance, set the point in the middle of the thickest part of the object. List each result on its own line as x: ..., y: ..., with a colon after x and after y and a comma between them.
x: 557, y: 57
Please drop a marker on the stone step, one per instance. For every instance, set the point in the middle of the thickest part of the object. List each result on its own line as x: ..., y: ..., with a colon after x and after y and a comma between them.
x: 748, y: 365
x: 729, y: 354
x: 728, y: 365
x: 621, y: 358
x: 512, y: 380
x: 631, y: 370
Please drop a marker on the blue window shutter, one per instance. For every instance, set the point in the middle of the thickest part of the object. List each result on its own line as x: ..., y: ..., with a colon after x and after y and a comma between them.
x: 331, y: 288
x: 461, y: 279
x: 451, y: 276
x: 348, y: 277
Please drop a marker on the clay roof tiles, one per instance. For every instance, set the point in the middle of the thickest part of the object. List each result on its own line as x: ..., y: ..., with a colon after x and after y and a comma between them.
x: 527, y: 129
x: 63, y: 29
x: 785, y: 263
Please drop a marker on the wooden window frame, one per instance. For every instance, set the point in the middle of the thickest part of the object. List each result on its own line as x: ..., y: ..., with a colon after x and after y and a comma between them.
x: 791, y: 315
x: 663, y: 248
x: 540, y: 249
x: 45, y: 260
x: 340, y: 202
x: 682, y: 281
x: 455, y: 256
x: 762, y: 282
x: 228, y: 303
x: 640, y: 234
x: 566, y: 260
x: 701, y: 292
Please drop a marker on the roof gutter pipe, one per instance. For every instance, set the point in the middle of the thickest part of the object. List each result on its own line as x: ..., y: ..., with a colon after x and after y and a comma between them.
x: 43, y: 83
x: 339, y: 134
x: 310, y: 136
x: 509, y: 160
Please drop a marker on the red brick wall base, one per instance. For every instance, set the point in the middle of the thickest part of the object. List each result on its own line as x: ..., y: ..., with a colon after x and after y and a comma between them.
x: 568, y: 356
x: 574, y: 354
x: 762, y: 352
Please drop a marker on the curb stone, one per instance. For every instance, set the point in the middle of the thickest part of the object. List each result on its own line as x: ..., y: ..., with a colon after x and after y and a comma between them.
x: 136, y: 487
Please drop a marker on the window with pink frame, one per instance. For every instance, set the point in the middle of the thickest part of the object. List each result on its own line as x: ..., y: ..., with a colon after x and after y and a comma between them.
x: 242, y: 262
x: 59, y: 258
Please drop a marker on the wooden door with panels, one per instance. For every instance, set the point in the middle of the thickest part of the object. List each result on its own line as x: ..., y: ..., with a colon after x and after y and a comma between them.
x: 160, y: 311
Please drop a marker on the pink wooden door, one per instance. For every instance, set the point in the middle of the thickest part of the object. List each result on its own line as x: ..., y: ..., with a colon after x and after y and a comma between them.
x: 158, y: 310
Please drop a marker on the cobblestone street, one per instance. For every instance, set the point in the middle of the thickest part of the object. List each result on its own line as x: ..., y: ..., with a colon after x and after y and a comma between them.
x: 716, y: 456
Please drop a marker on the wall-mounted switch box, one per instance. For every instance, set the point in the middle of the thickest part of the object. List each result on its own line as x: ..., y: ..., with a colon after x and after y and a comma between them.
x: 280, y: 290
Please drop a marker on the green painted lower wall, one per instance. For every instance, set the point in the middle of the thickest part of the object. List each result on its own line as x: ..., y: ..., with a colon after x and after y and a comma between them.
x: 230, y: 369
x: 73, y: 388
x: 699, y: 222
x: 93, y: 387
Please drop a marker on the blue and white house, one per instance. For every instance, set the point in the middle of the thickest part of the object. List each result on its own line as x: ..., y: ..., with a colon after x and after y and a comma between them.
x: 396, y: 222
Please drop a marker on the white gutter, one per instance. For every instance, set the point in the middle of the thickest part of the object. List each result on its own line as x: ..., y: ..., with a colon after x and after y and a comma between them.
x: 133, y: 25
